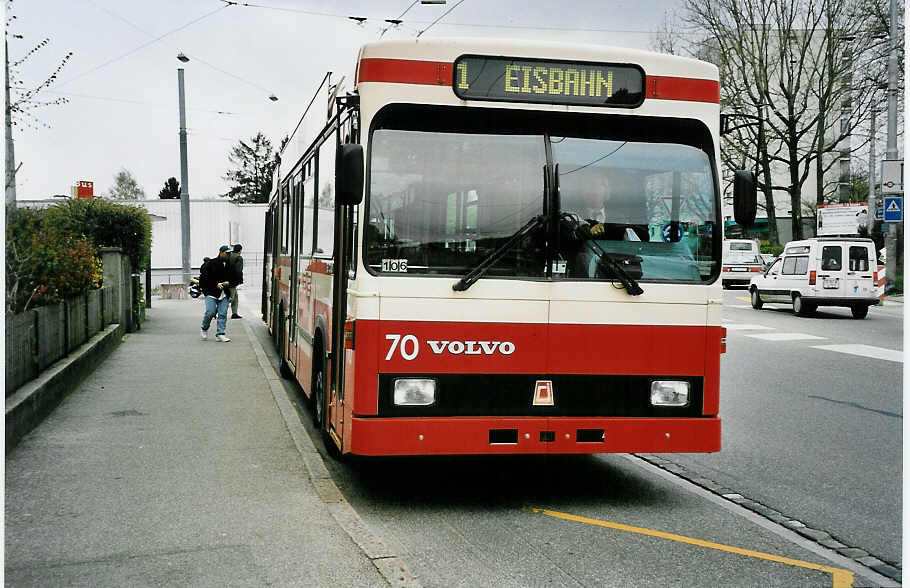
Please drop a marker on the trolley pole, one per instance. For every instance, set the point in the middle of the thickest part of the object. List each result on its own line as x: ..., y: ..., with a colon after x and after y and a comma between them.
x: 184, y: 190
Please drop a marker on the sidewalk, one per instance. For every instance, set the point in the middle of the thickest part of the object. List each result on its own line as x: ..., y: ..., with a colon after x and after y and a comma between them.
x: 171, y: 465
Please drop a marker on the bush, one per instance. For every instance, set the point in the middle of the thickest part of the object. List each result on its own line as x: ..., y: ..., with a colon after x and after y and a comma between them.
x: 52, y: 253
x: 770, y: 248
x: 45, y: 265
x: 106, y: 224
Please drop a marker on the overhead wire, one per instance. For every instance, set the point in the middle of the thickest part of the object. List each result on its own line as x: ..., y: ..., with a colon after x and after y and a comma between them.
x: 130, y: 101
x: 227, y: 73
x: 397, y: 21
x: 450, y: 24
x: 441, y: 16
x: 143, y: 46
x: 194, y: 57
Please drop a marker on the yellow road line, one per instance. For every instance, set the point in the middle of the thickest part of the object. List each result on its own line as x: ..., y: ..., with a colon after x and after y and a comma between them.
x: 841, y: 578
x: 744, y: 298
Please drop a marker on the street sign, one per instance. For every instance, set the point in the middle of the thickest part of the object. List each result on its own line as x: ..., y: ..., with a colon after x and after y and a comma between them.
x: 894, y: 209
x: 892, y: 176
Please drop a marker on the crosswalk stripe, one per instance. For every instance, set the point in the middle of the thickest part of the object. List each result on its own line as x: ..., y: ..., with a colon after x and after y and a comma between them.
x: 744, y: 327
x: 786, y: 336
x: 865, y: 351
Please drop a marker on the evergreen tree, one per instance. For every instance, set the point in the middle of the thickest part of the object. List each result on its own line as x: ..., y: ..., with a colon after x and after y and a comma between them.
x: 254, y: 162
x: 171, y: 190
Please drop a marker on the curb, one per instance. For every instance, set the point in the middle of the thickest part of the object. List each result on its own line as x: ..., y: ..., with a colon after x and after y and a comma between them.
x: 389, y: 565
x: 34, y: 400
x: 891, y: 571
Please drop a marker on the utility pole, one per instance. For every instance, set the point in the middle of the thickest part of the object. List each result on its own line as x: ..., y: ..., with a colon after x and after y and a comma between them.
x: 184, y: 190
x: 891, y: 149
x: 870, y: 224
x: 10, y: 155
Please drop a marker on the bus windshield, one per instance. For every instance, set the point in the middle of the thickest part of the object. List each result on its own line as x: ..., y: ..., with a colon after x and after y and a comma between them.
x: 442, y: 198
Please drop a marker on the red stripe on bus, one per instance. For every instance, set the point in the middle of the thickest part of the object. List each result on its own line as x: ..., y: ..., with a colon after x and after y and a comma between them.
x: 691, y: 89
x: 405, y: 71
x: 439, y: 73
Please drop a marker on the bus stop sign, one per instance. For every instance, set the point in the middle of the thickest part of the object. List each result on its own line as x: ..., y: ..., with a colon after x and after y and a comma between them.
x: 894, y: 209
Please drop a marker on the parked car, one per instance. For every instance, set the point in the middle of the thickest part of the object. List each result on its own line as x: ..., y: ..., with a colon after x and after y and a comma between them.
x: 824, y: 271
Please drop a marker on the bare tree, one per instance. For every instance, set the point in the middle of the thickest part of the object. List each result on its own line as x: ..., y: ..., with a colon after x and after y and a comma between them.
x: 790, y: 62
x: 126, y: 187
x: 668, y: 38
x: 19, y: 110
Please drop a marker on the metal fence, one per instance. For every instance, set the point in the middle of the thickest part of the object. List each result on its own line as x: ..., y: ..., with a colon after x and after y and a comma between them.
x: 37, y: 338
x: 21, y: 346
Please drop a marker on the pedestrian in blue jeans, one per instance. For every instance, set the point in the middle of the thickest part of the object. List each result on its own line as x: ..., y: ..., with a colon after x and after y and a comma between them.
x: 215, y: 280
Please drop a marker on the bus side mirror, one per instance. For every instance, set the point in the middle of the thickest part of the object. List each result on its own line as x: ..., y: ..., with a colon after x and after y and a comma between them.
x: 349, y: 174
x: 745, y: 199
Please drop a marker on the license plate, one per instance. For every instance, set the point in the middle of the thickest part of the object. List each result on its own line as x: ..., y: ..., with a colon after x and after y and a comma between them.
x: 739, y: 269
x: 829, y: 282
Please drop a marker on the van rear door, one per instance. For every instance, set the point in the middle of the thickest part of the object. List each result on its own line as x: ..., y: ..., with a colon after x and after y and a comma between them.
x: 831, y: 271
x: 859, y: 282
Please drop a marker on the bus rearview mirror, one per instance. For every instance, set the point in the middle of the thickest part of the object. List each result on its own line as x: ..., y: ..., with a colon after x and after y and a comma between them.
x: 349, y: 174
x: 745, y: 198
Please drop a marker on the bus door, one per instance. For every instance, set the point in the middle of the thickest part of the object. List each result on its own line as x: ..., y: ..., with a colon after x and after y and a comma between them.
x: 266, y: 266
x: 305, y: 279
x: 295, y: 271
x: 273, y: 268
x: 335, y: 388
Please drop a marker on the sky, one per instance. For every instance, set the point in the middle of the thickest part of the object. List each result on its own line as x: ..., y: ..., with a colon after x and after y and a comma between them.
x: 121, y: 82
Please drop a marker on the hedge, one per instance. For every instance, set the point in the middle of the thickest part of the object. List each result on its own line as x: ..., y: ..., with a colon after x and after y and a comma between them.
x: 107, y: 225
x: 52, y: 253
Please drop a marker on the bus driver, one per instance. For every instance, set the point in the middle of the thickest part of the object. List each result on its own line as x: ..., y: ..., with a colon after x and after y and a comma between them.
x: 590, y: 201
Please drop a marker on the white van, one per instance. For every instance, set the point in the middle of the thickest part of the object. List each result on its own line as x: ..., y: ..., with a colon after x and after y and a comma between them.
x: 741, y: 261
x: 744, y: 246
x: 824, y: 271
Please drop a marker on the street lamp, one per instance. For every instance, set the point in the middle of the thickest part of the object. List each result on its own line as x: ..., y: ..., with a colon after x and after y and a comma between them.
x: 184, y: 191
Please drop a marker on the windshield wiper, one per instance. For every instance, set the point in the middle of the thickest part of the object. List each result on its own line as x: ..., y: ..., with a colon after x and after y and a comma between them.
x: 583, y: 233
x: 481, y: 268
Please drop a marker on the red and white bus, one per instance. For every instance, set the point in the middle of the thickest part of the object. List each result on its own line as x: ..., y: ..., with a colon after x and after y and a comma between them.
x: 496, y: 247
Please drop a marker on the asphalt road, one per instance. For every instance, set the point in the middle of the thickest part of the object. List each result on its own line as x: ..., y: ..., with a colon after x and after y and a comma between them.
x: 814, y: 432
x: 607, y: 520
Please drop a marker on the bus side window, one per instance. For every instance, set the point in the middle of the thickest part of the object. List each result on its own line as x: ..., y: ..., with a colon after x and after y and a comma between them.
x: 325, y: 198
x: 285, y: 218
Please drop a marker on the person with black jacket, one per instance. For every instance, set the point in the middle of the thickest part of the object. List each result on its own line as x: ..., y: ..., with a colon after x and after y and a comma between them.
x: 235, y: 261
x: 215, y: 280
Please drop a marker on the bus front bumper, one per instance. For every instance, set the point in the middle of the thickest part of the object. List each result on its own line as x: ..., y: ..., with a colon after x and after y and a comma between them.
x: 532, y: 435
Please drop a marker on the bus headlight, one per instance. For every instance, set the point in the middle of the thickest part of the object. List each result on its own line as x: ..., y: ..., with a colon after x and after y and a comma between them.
x: 669, y: 393
x: 414, y: 392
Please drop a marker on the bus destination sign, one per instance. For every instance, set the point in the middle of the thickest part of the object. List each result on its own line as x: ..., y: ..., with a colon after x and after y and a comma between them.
x: 507, y: 79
